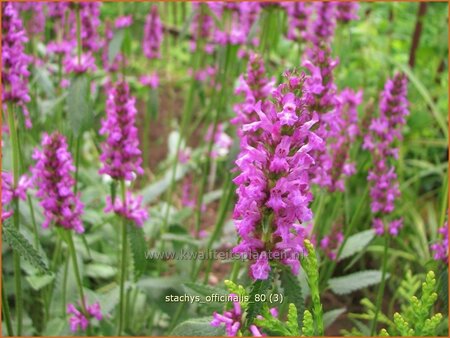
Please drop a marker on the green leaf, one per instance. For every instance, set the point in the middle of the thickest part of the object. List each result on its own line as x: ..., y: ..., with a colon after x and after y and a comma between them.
x: 138, y: 247
x: 115, y: 45
x: 259, y: 288
x: 330, y: 317
x: 37, y: 282
x: 42, y: 78
x: 80, y: 112
x: 104, y: 271
x: 20, y: 244
x: 355, y: 281
x: 293, y: 293
x: 356, y: 243
x: 204, y: 290
x: 158, y: 283
x: 55, y: 327
x: 198, y: 327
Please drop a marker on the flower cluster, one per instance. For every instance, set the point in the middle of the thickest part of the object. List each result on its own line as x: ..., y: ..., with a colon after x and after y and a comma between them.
x: 347, y: 11
x: 440, y: 248
x: 130, y: 210
x: 240, y: 17
x: 80, y: 320
x: 90, y: 22
x: 36, y: 23
x: 222, y: 142
x: 153, y: 34
x: 52, y: 175
x: 202, y: 27
x: 342, y: 132
x: 330, y: 243
x: 15, y: 62
x: 232, y: 319
x: 322, y: 28
x: 274, y: 184
x: 298, y: 14
x: 383, y: 132
x: 120, y: 156
x: 9, y: 192
x: 255, y: 86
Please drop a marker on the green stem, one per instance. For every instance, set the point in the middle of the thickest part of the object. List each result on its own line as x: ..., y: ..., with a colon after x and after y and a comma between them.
x: 123, y: 267
x: 77, y: 162
x: 5, y: 312
x: 16, y: 256
x: 79, y: 46
x: 380, y: 293
x: 33, y: 221
x: 76, y: 269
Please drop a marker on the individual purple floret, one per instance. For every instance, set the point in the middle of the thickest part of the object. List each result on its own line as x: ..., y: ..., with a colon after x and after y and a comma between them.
x: 15, y: 62
x: 131, y: 209
x: 120, y: 156
x: 347, y: 11
x: 153, y: 34
x: 383, y: 132
x: 440, y: 248
x: 298, y: 14
x: 80, y: 320
x: 274, y: 180
x: 53, y: 176
x: 9, y: 192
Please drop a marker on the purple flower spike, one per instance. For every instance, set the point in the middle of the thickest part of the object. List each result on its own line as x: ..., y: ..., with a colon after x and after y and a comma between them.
x: 120, y: 156
x: 274, y: 178
x: 15, y: 62
x: 384, y: 131
x: 153, y: 35
x: 52, y: 175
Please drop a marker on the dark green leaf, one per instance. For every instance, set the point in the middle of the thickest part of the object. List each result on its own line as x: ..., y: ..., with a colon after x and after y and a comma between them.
x: 259, y: 287
x: 21, y: 245
x: 139, y: 248
x: 293, y: 293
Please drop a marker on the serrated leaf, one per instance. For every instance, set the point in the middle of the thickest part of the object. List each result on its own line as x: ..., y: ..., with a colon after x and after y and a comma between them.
x: 79, y: 110
x: 115, y: 45
x: 21, y: 245
x: 356, y: 243
x: 355, y: 281
x: 55, y: 327
x: 293, y: 293
x: 138, y: 247
x: 259, y: 287
x: 204, y: 290
x: 37, y: 282
x: 198, y: 327
x: 330, y: 317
